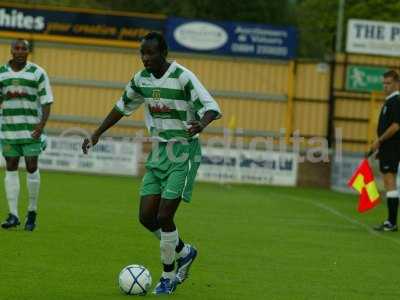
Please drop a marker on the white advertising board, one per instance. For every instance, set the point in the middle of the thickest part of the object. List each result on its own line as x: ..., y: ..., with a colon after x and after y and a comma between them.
x: 373, y: 37
x: 107, y: 157
x: 248, y: 166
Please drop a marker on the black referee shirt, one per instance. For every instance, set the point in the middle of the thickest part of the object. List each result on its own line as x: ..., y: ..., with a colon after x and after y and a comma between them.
x: 390, y: 113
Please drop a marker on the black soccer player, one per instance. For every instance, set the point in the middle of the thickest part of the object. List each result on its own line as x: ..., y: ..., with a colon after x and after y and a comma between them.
x: 177, y: 109
x: 26, y: 98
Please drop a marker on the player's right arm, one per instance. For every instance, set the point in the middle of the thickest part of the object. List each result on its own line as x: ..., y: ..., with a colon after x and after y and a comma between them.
x: 113, y: 117
x: 130, y: 100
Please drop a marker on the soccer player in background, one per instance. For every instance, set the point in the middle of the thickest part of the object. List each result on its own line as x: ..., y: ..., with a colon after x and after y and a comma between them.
x: 177, y: 109
x: 26, y: 97
x: 388, y: 146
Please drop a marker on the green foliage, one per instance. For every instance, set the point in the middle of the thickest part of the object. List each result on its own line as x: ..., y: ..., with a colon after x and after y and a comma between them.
x: 383, y: 10
x: 315, y: 19
x: 66, y: 3
x: 272, y: 12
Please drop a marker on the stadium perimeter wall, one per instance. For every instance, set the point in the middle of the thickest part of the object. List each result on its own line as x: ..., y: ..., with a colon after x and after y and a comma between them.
x: 253, y: 94
x: 353, y: 112
x: 259, y: 97
x: 356, y: 112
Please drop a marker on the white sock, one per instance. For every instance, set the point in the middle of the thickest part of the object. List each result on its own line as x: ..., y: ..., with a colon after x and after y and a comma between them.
x: 33, y: 183
x: 157, y: 234
x: 11, y: 183
x: 185, y: 250
x: 167, y: 246
x: 169, y: 275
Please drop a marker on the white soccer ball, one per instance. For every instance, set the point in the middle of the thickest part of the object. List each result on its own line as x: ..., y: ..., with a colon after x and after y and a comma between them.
x: 134, y: 280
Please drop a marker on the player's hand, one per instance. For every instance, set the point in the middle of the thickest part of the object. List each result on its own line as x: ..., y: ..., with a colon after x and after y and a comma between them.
x: 37, y: 132
x: 368, y: 153
x: 88, y: 143
x: 373, y: 149
x: 195, y: 127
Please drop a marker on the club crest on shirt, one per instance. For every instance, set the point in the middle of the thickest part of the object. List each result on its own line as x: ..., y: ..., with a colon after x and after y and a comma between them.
x: 156, y: 94
x: 15, y: 81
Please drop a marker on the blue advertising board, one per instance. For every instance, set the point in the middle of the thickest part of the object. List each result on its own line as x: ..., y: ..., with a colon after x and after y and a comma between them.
x: 67, y: 22
x: 231, y: 38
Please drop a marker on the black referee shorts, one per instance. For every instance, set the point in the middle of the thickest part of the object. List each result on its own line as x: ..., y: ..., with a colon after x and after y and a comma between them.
x: 389, y: 157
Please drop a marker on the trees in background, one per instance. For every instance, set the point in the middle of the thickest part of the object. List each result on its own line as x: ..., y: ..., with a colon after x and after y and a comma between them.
x: 315, y: 19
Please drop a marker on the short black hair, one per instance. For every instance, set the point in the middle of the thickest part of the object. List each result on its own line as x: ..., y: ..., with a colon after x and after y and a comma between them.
x: 392, y: 74
x: 19, y: 40
x: 162, y: 44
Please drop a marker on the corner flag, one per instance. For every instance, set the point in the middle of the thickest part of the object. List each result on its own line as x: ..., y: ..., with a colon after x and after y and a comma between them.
x: 363, y: 182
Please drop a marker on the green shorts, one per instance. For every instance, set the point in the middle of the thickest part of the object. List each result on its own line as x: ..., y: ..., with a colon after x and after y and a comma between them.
x: 28, y: 149
x: 171, y: 170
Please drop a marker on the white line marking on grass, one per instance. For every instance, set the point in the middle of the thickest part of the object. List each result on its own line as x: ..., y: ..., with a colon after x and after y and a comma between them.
x: 343, y: 216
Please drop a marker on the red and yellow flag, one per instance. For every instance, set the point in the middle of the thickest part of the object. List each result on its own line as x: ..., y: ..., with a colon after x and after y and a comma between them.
x: 363, y: 182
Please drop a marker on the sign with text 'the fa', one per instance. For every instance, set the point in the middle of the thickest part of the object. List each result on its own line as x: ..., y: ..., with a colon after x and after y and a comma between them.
x: 373, y: 37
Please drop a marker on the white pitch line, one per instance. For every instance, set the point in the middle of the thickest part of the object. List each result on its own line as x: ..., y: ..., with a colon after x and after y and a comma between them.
x: 344, y: 217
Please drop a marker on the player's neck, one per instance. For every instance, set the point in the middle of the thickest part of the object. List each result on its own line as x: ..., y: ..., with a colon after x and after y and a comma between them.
x: 17, y: 66
x: 161, y: 71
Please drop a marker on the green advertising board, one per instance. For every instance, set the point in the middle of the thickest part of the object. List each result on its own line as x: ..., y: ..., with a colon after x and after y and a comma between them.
x: 364, y: 79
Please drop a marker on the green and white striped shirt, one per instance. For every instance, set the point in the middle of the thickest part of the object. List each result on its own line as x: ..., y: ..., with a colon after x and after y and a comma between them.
x: 171, y: 101
x: 22, y: 95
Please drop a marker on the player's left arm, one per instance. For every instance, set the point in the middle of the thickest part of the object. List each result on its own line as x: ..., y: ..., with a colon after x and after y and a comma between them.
x: 42, y: 124
x: 206, y: 108
x: 45, y: 96
x: 198, y: 126
x: 395, y: 126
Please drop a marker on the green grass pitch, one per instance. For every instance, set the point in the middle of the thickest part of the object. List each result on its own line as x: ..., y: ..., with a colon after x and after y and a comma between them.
x: 254, y: 243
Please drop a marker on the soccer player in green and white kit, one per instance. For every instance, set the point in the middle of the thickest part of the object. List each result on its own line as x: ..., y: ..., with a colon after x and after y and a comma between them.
x: 26, y: 97
x: 177, y: 108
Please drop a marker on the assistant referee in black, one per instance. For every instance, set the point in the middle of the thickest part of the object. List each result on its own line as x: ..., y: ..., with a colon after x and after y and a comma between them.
x: 387, y: 146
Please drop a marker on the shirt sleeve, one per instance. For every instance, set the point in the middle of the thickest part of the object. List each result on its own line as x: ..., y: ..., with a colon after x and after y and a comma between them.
x: 200, y: 98
x: 45, y: 93
x: 396, y: 111
x: 130, y: 100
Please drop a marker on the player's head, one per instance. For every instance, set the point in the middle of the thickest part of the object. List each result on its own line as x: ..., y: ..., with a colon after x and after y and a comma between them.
x: 153, y: 51
x: 20, y: 50
x: 390, y: 82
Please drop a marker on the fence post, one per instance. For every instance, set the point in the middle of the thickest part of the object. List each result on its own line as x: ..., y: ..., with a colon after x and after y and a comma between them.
x: 290, y: 99
x: 372, y: 122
